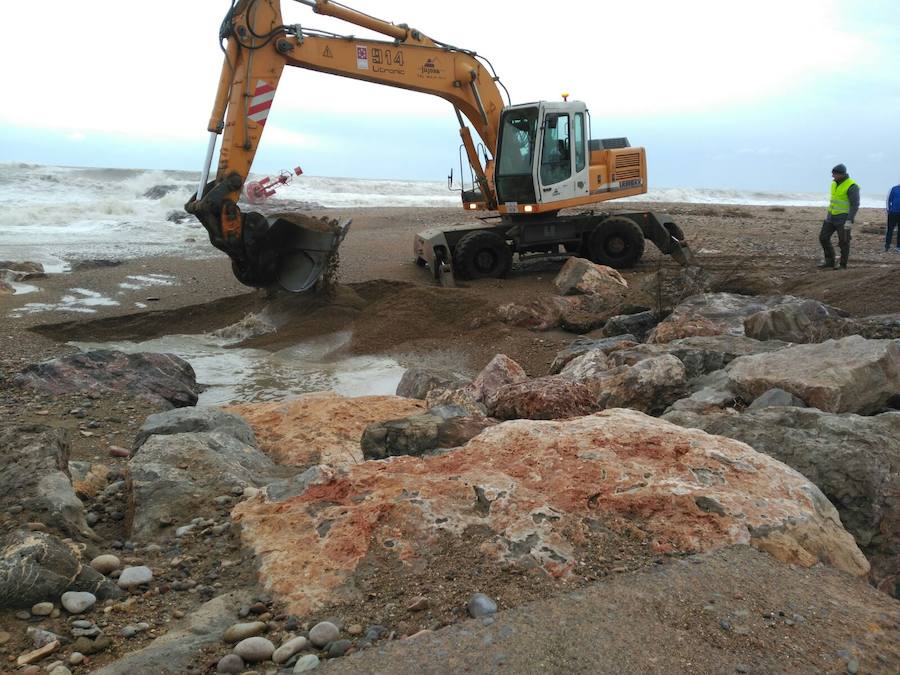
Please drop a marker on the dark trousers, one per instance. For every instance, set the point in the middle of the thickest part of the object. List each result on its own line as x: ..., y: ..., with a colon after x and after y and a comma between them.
x: 893, y: 222
x: 829, y: 227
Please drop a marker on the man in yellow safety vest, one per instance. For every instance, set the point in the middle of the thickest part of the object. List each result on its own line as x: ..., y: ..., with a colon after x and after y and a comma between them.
x: 841, y: 214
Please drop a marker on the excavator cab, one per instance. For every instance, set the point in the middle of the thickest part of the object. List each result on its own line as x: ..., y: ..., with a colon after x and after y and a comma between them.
x: 543, y: 156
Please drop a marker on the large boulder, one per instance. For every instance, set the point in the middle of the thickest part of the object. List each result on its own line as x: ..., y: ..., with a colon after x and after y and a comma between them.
x: 22, y: 266
x: 38, y: 567
x: 651, y: 385
x: 541, y: 313
x: 699, y: 354
x: 854, y: 460
x: 321, y: 428
x: 499, y: 372
x: 589, y: 364
x: 534, y: 490
x: 175, y: 478
x: 543, y: 398
x: 34, y: 478
x: 847, y: 375
x: 637, y: 324
x: 586, y: 343
x: 800, y: 322
x: 713, y: 314
x: 583, y: 277
x: 442, y: 427
x: 585, y: 313
x: 161, y: 379
x: 418, y: 382
x: 189, y: 420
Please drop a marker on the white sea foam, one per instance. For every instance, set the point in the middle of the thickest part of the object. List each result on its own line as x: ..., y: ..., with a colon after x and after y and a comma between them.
x: 51, y: 214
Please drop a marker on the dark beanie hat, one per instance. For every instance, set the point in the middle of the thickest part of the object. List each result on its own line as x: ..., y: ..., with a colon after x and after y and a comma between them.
x: 840, y: 168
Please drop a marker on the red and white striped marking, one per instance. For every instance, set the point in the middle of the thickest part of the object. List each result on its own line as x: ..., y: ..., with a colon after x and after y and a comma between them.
x: 261, y: 102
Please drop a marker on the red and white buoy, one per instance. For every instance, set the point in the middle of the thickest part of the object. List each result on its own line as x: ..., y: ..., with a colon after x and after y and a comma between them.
x: 258, y: 191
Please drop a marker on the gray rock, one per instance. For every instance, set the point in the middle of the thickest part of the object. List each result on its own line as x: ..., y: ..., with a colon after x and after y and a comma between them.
x: 306, y: 663
x: 586, y: 343
x: 175, y: 477
x: 40, y: 637
x: 651, y: 385
x: 700, y: 355
x: 35, y: 566
x: 254, y: 649
x: 190, y: 420
x: 852, y: 459
x: 323, y: 633
x: 481, y: 605
x: 242, y: 631
x: 442, y: 427
x: 42, y: 609
x: 77, y: 602
x: 231, y: 664
x: 708, y: 393
x: 589, y: 364
x: 714, y: 314
x: 135, y: 576
x: 284, y: 653
x: 133, y: 629
x: 176, y: 650
x: 161, y: 379
x: 847, y: 375
x: 34, y: 465
x: 417, y: 382
x: 804, y: 321
x: 879, y: 327
x: 775, y: 398
x: 638, y: 324
x: 338, y: 648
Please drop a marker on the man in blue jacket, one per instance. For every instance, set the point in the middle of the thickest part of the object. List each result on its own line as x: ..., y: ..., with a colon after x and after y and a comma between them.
x: 893, y: 217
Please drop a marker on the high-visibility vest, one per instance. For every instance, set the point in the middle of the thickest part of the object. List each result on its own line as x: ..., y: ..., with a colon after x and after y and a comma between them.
x: 840, y: 201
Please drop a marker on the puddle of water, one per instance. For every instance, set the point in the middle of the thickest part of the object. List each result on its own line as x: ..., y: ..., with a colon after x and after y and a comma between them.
x: 80, y: 300
x: 248, y: 375
x: 22, y: 289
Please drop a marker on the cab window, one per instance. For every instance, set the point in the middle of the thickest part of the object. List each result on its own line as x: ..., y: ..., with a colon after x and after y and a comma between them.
x: 556, y: 158
x: 579, y: 142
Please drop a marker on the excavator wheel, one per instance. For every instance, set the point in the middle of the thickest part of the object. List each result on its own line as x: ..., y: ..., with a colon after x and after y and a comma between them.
x: 482, y: 254
x: 617, y: 242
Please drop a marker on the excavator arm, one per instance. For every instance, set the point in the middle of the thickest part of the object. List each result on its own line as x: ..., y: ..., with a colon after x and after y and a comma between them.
x: 258, y: 47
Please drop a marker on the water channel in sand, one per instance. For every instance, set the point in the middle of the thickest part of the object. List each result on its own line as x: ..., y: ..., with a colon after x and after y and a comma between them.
x: 238, y: 374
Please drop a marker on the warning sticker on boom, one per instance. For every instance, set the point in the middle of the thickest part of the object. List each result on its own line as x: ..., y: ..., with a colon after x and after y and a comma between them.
x: 362, y: 58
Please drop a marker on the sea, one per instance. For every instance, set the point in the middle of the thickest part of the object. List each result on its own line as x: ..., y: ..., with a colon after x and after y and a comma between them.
x: 54, y: 214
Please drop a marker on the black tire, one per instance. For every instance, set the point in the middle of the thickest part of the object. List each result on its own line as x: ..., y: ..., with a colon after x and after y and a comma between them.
x: 573, y: 247
x: 481, y: 254
x: 617, y: 242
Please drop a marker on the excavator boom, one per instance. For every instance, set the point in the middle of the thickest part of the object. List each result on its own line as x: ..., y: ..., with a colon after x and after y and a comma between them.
x: 259, y: 45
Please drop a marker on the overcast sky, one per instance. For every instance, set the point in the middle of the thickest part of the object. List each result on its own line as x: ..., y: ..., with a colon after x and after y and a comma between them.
x: 765, y: 95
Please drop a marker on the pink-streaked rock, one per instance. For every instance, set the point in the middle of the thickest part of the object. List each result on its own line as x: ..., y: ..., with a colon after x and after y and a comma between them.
x: 583, y: 277
x: 537, y: 486
x: 499, y: 372
x: 543, y: 398
x: 540, y: 314
x: 321, y: 428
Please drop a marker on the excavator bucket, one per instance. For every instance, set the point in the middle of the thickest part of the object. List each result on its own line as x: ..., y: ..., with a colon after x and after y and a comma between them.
x: 308, y: 250
x: 290, y: 250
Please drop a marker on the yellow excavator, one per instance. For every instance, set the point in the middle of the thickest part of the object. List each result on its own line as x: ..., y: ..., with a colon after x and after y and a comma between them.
x: 533, y: 159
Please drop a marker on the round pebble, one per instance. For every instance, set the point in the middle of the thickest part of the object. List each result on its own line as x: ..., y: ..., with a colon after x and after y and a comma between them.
x: 306, y: 663
x: 254, y: 649
x: 135, y: 576
x: 42, y: 609
x: 77, y: 602
x: 4, y: 637
x: 481, y: 605
x: 232, y: 664
x: 60, y: 670
x: 75, y: 658
x: 338, y: 648
x: 323, y: 633
x: 289, y: 648
x: 242, y: 631
x: 106, y: 563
